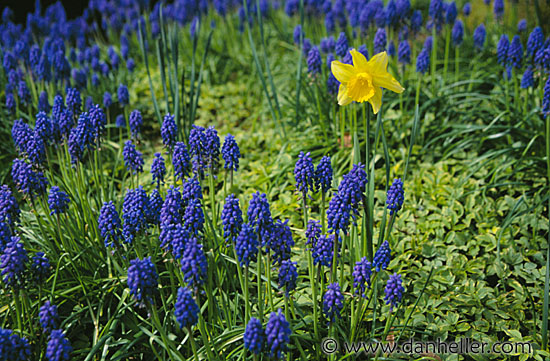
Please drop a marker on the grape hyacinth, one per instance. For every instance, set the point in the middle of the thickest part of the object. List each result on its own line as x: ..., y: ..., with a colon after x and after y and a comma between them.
x: 515, y: 52
x: 193, y: 217
x: 546, y: 99
x: 313, y: 231
x: 345, y: 202
x: 288, y: 276
x: 49, y: 318
x: 322, y: 250
x: 142, y: 280
x: 341, y: 46
x: 323, y: 175
x: 246, y: 245
x: 362, y: 275
x: 382, y: 257
x: 277, y: 333
x: 158, y: 169
x: 27, y: 180
x: 479, y: 36
x: 232, y: 218
x: 380, y: 40
x: 169, y: 131
x: 134, y: 213
x: 528, y: 80
x: 535, y: 41
x: 254, y: 336
x: 58, y: 201
x: 259, y: 215
x: 395, y: 196
x: 136, y: 122
x: 193, y: 263
x: 404, y: 52
x: 212, y: 149
x: 186, y: 309
x: 9, y: 209
x: 109, y: 225
x: 457, y: 34
x: 502, y: 49
x: 279, y: 242
x: 394, y: 290
x: 423, y: 61
x: 181, y: 161
x: 40, y: 268
x: 314, y: 61
x: 230, y: 153
x: 123, y: 95
x: 13, y: 347
x: 304, y: 173
x: 59, y: 347
x: 522, y: 25
x: 154, y: 207
x: 333, y: 302
x: 12, y: 263
x: 132, y: 158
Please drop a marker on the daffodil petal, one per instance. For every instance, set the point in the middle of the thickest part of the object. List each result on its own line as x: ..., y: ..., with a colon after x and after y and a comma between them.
x: 378, y: 64
x: 387, y: 81
x: 359, y: 60
x: 343, y: 98
x: 376, y: 100
x: 342, y: 72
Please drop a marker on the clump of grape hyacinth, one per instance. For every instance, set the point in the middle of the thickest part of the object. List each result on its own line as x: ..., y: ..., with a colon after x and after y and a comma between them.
x: 230, y: 153
x: 232, y: 218
x: 109, y: 225
x: 277, y: 333
x: 59, y: 347
x: 58, y: 201
x: 158, y: 169
x: 382, y: 257
x: 254, y: 336
x: 288, y: 276
x: 142, y: 280
x: 395, y: 196
x: 186, y: 309
x: 132, y: 158
x: 26, y: 179
x: 49, y: 318
x: 333, y: 302
x: 13, y: 347
x: 361, y: 275
x: 394, y: 290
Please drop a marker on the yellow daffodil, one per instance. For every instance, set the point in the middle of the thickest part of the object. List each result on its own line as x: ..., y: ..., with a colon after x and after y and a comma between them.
x: 363, y: 81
